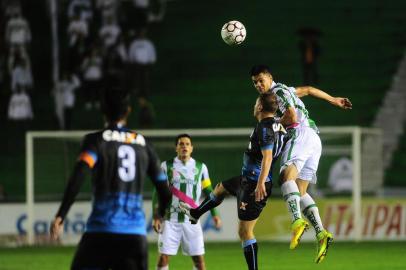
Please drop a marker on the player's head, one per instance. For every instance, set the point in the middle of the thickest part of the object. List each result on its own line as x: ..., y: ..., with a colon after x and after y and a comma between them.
x: 261, y: 77
x: 265, y: 106
x: 116, y: 104
x: 184, y: 147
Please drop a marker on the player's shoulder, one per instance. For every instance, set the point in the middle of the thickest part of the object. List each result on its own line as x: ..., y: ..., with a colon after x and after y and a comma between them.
x: 199, y: 163
x: 272, y: 125
x: 280, y: 88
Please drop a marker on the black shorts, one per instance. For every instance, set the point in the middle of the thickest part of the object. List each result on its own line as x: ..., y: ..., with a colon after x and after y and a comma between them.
x: 102, y: 251
x: 244, y: 190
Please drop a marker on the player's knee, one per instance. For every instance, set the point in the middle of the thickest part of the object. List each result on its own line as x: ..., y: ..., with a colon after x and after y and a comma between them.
x: 288, y: 173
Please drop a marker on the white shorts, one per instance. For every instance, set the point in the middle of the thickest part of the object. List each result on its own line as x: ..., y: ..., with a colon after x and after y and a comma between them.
x: 190, y: 236
x: 304, y: 151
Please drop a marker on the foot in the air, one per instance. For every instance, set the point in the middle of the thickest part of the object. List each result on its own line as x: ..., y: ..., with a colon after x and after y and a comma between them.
x: 185, y: 209
x: 324, y: 240
x: 298, y: 228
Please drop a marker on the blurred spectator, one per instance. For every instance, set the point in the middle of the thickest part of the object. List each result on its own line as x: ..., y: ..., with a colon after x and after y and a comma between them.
x: 107, y: 9
x: 310, y: 52
x: 92, y: 68
x: 109, y: 33
x: 18, y: 31
x: 157, y: 11
x: 78, y: 29
x: 340, y: 175
x: 19, y: 107
x: 21, y: 75
x: 67, y: 87
x: 82, y: 8
x: 142, y: 56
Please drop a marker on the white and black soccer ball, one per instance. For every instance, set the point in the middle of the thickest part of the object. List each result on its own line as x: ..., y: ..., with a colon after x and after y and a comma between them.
x: 233, y: 33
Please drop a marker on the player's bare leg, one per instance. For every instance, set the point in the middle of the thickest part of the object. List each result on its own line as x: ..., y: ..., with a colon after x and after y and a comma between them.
x: 163, y: 262
x: 215, y: 199
x: 291, y: 196
x: 311, y: 211
x: 249, y: 243
x: 198, y: 262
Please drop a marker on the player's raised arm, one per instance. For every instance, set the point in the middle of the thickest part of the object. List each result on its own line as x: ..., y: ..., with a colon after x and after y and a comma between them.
x: 86, y: 161
x: 260, y: 191
x: 343, y: 103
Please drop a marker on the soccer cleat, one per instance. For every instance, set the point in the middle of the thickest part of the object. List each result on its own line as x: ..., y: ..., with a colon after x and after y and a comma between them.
x: 185, y: 209
x: 324, y: 240
x: 298, y: 228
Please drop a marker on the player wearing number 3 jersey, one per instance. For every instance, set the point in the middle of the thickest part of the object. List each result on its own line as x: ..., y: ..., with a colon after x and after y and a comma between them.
x: 119, y: 160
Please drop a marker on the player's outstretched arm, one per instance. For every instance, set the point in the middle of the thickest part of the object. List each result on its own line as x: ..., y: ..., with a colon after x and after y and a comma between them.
x: 71, y: 191
x: 260, y: 191
x: 343, y: 103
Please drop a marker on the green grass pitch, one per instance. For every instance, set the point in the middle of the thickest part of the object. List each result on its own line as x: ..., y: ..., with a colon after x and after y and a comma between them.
x: 220, y: 256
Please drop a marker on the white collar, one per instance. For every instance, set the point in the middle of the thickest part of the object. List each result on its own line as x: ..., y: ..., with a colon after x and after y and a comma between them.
x: 177, y: 160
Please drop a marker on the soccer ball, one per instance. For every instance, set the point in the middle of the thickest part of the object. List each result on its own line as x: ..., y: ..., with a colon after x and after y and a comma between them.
x: 233, y: 33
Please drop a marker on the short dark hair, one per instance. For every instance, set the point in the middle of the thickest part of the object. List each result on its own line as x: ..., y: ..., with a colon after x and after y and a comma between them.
x: 268, y: 102
x: 261, y: 68
x: 183, y: 135
x: 115, y: 103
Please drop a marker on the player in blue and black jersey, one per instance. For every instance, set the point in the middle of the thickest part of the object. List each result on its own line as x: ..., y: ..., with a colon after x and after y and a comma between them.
x: 253, y: 187
x: 119, y: 160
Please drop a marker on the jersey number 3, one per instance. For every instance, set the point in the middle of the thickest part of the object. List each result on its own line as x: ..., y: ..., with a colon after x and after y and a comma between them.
x: 127, y: 168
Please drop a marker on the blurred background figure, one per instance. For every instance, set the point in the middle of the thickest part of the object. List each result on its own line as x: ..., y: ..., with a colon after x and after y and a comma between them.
x: 19, y: 108
x: 18, y: 31
x: 21, y: 74
x: 310, y: 51
x: 340, y: 175
x: 92, y: 72
x: 109, y: 33
x: 67, y: 86
x: 142, y: 56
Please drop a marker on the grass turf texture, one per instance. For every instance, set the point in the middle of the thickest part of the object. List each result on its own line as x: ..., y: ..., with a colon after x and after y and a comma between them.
x: 219, y: 256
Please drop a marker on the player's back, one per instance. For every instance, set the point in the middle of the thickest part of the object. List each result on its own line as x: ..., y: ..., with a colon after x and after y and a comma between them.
x: 268, y: 134
x: 121, y: 160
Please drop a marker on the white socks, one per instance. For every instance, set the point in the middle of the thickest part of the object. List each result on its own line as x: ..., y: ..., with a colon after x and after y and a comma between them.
x: 162, y: 268
x: 311, y: 212
x: 291, y: 195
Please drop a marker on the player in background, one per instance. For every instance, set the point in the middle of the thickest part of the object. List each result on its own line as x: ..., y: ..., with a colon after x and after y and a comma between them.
x: 301, y: 155
x: 265, y: 145
x: 187, y: 178
x: 119, y: 160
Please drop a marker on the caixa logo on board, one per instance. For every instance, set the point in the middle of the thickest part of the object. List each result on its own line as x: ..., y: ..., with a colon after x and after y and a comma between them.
x: 71, y: 226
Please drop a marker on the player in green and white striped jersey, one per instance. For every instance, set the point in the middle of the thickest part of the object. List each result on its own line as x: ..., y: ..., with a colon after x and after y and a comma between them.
x: 301, y: 154
x: 188, y: 178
